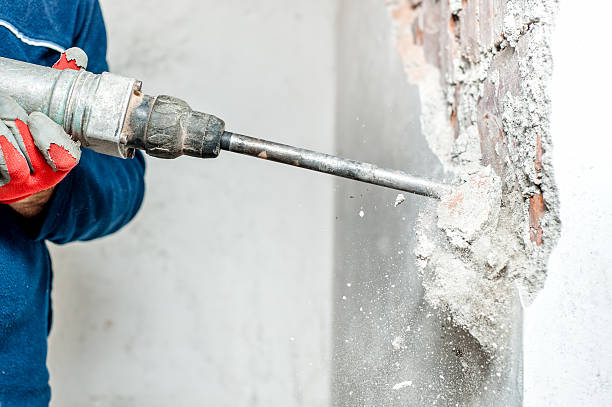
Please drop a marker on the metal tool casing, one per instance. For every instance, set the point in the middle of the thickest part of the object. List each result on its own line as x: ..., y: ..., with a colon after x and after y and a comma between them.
x: 89, y: 107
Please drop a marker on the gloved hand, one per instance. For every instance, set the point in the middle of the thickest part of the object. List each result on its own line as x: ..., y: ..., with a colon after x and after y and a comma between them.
x: 36, y: 153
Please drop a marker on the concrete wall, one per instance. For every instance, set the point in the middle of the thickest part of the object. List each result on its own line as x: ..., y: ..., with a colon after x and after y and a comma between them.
x: 219, y: 292
x: 377, y: 291
x: 391, y: 347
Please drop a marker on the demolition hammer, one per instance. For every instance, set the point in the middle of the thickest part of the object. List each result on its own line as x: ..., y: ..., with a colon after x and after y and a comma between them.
x: 109, y: 114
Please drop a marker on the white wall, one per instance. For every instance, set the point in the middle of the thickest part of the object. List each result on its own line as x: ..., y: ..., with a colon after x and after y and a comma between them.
x: 219, y: 293
x: 568, y: 330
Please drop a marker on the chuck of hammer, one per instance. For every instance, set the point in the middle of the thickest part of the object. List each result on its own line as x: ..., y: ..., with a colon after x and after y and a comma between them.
x: 166, y: 127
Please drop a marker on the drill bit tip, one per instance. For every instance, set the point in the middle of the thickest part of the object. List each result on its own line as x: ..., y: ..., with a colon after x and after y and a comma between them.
x: 329, y: 164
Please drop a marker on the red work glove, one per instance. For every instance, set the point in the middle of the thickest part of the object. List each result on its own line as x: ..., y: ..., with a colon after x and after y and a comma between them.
x: 36, y: 153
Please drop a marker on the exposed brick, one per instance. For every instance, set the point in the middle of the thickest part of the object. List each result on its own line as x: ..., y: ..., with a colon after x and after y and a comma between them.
x: 505, y: 69
x: 431, y: 27
x: 538, y: 159
x: 470, y: 30
x: 536, y: 211
x: 449, y: 47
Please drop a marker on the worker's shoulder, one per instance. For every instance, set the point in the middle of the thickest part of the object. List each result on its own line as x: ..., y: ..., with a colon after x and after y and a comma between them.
x: 46, y: 22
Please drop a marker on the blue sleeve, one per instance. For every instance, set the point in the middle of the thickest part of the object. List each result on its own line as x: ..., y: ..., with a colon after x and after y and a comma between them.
x: 95, y: 199
x: 102, y: 193
x: 90, y: 35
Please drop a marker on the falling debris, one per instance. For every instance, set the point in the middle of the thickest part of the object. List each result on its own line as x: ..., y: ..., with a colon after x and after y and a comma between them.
x: 401, y: 385
x: 399, y: 199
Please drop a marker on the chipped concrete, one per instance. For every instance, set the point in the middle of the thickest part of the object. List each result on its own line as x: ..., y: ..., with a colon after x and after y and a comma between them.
x: 386, y: 330
x: 483, y: 70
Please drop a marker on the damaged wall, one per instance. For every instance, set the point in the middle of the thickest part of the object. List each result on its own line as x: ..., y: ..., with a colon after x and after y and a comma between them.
x: 491, y: 63
x: 391, y: 347
x: 481, y: 72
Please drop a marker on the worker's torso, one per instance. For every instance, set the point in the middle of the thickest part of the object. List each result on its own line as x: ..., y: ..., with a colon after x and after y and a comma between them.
x: 25, y: 283
x: 36, y: 32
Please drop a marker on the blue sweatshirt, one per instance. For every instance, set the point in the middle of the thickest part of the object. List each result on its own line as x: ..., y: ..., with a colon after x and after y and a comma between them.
x: 98, y: 197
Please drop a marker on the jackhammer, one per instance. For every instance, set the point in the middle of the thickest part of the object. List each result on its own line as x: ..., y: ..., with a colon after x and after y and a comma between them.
x: 111, y: 115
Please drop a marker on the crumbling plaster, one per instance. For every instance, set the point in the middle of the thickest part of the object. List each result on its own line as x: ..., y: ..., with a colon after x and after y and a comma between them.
x: 483, y: 70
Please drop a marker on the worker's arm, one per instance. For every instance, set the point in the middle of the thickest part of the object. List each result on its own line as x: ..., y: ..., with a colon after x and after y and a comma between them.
x: 97, y: 198
x: 102, y: 193
x: 35, y: 153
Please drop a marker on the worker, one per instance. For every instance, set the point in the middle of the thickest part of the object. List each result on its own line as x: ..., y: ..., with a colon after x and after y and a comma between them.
x: 50, y: 189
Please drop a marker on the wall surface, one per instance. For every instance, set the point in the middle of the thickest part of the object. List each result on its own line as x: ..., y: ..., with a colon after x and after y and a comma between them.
x: 391, y: 348
x: 380, y: 328
x: 219, y: 293
x: 483, y: 71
